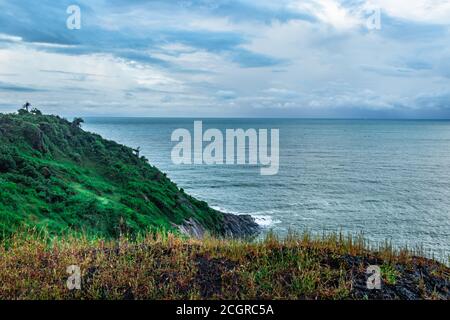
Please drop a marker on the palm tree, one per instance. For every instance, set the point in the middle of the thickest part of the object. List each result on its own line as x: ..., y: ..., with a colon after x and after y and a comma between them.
x: 26, y: 106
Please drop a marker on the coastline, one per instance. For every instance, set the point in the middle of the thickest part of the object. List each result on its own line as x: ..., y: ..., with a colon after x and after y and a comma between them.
x: 323, y: 187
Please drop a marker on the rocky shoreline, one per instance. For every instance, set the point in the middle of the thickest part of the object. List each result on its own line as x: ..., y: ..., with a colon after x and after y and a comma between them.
x: 233, y: 226
x: 239, y: 226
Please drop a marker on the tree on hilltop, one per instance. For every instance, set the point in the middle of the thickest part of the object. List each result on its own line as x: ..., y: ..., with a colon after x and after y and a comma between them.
x: 36, y: 112
x: 137, y: 151
x: 76, y: 123
x: 26, y: 106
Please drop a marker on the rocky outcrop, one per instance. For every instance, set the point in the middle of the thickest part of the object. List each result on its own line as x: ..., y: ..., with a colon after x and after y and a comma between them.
x: 233, y: 226
x: 239, y: 226
x: 33, y: 135
x: 192, y: 228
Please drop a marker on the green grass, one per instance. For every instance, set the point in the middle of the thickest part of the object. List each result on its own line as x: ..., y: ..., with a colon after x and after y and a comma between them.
x: 163, y: 265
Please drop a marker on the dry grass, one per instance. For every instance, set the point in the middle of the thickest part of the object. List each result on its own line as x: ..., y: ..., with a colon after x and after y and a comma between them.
x: 166, y: 266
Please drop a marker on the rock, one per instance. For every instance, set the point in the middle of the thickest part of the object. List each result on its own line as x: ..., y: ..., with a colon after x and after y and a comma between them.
x: 233, y: 226
x: 34, y: 136
x: 192, y: 228
x: 239, y: 226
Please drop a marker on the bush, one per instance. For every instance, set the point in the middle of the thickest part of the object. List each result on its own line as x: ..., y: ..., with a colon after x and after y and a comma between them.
x: 7, y: 162
x: 30, y: 171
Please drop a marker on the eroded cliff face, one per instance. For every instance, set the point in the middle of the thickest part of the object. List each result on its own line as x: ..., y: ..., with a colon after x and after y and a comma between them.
x: 58, y: 177
x: 232, y: 226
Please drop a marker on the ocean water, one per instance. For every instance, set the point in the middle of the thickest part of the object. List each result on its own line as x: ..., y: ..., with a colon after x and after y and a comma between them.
x: 386, y: 179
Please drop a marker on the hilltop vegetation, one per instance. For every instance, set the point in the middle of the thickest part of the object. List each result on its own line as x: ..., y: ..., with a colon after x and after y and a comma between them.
x: 57, y: 177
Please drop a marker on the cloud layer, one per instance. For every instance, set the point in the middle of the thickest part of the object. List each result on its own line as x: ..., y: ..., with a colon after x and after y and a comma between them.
x: 310, y: 58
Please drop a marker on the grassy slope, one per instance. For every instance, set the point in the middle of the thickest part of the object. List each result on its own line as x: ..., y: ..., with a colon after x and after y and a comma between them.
x: 56, y: 176
x: 169, y: 267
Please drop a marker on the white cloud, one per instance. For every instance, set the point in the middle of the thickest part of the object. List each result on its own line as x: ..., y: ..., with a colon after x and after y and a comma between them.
x: 427, y: 11
x: 330, y: 12
x: 341, y: 17
x: 329, y: 63
x: 6, y: 37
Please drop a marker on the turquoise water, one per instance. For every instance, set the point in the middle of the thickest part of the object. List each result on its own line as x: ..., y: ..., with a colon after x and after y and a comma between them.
x: 386, y: 179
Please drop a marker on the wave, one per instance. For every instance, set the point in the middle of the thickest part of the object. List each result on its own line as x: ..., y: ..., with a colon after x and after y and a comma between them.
x: 262, y: 218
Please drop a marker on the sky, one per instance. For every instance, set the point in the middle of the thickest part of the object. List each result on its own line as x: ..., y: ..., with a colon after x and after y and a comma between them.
x: 224, y: 58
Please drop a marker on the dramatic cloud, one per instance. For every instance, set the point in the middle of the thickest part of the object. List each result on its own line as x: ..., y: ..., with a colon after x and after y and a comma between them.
x: 228, y: 58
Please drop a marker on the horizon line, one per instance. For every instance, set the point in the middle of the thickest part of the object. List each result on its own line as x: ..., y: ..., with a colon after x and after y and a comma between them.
x: 68, y: 116
x: 262, y: 118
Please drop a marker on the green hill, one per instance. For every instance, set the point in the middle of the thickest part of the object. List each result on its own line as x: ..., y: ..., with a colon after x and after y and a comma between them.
x: 54, y: 175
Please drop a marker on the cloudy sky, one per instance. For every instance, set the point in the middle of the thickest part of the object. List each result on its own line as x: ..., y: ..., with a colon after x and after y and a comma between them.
x: 259, y: 58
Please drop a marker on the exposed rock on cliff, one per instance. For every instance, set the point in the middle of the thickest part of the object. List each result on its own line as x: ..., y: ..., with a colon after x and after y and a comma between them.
x: 232, y: 226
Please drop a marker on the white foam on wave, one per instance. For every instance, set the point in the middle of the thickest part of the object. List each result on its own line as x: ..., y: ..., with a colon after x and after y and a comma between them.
x: 226, y: 210
x: 261, y: 217
x: 265, y: 221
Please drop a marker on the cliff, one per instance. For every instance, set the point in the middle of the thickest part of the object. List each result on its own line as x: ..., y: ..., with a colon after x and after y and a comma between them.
x: 57, y: 177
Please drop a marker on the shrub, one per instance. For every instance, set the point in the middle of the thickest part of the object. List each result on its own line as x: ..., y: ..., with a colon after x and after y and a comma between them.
x: 30, y: 171
x: 7, y: 162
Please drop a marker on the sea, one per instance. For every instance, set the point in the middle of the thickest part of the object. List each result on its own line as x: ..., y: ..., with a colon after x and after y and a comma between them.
x: 388, y: 180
